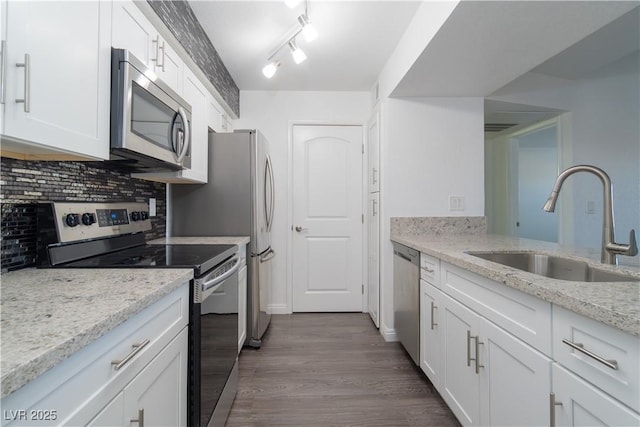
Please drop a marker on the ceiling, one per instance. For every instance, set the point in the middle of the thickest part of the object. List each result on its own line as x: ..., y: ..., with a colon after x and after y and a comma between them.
x: 355, y: 40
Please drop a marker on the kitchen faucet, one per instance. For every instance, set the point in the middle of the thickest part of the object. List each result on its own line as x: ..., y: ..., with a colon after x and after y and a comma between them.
x: 610, y: 249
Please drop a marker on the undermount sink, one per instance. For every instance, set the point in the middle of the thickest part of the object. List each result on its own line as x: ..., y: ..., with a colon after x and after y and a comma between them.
x: 553, y: 266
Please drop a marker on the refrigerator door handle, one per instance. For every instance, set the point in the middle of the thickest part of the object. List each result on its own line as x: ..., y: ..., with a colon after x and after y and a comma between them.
x: 269, y: 212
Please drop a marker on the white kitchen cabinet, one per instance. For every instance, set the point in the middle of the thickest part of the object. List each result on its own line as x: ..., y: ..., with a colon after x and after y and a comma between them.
x: 579, y: 403
x: 430, y: 325
x: 459, y: 382
x: 373, y: 257
x: 242, y: 306
x: 196, y: 95
x: 58, y: 80
x: 85, y: 388
x: 131, y: 30
x: 159, y: 392
x: 217, y: 118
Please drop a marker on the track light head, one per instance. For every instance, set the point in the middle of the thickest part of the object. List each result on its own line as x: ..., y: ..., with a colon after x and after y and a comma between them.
x: 308, y: 31
x: 297, y: 53
x: 270, y: 69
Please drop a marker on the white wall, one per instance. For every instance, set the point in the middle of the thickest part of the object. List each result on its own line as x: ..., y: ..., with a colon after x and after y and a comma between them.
x: 604, y: 109
x: 273, y: 112
x: 431, y: 148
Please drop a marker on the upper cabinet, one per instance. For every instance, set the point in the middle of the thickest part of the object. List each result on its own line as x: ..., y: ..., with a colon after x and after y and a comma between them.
x: 56, y: 80
x: 373, y: 159
x: 131, y: 30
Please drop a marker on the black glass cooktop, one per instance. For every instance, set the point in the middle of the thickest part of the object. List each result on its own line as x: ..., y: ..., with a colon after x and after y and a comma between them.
x: 199, y: 257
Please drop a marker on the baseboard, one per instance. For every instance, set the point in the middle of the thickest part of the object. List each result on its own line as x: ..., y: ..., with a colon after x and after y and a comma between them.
x: 389, y: 335
x: 279, y: 309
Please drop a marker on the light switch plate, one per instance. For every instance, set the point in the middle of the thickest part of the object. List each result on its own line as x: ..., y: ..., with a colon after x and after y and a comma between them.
x: 590, y: 207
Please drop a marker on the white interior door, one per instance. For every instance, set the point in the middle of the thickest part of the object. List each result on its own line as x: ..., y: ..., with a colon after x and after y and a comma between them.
x: 327, y: 218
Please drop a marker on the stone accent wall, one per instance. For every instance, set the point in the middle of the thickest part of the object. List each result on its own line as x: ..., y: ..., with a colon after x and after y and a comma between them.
x: 179, y: 18
x: 24, y: 183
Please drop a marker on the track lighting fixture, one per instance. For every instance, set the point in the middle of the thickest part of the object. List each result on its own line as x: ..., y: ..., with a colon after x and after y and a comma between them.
x: 308, y: 32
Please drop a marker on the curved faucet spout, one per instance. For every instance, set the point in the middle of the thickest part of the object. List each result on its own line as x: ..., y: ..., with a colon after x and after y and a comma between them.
x: 609, y: 248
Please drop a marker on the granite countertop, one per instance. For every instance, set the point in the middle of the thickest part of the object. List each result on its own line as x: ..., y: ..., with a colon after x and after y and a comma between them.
x: 49, y: 314
x: 194, y: 240
x: 614, y: 303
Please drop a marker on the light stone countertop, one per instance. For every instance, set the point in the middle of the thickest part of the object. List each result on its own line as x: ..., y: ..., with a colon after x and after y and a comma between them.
x: 49, y: 314
x: 196, y: 240
x: 615, y: 303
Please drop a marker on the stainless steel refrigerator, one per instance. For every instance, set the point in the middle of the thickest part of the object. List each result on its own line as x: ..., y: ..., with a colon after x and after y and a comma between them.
x: 238, y: 200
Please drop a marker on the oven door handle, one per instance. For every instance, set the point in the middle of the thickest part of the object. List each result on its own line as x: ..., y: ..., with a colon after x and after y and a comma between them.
x: 209, y: 284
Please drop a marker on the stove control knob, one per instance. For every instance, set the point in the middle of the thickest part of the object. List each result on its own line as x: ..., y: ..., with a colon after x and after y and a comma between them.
x: 88, y: 218
x: 144, y: 215
x: 135, y: 216
x: 72, y: 219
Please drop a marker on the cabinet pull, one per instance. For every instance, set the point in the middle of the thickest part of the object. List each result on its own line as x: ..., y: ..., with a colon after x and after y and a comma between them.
x: 374, y: 178
x: 164, y: 59
x: 433, y: 307
x: 552, y: 409
x: 613, y: 364
x: 27, y: 83
x: 140, y: 419
x: 477, y: 348
x: 375, y: 206
x: 428, y: 270
x: 156, y: 41
x: 136, y: 348
x: 3, y: 70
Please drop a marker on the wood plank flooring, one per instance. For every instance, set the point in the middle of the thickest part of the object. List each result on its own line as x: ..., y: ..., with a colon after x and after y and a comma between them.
x: 332, y: 369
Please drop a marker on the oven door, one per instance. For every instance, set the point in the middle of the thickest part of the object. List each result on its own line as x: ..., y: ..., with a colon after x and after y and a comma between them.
x: 214, y: 350
x: 148, y: 118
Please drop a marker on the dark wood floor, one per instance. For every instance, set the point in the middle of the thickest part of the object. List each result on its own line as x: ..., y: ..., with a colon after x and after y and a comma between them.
x: 332, y: 370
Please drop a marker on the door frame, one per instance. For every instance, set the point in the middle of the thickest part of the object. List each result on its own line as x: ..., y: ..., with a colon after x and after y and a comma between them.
x: 562, y: 122
x: 363, y: 201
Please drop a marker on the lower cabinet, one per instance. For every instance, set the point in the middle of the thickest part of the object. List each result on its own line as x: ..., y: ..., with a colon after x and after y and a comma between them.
x: 575, y: 402
x: 157, y: 396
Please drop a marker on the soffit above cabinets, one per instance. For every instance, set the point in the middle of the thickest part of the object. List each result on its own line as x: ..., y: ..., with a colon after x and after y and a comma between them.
x: 486, y: 44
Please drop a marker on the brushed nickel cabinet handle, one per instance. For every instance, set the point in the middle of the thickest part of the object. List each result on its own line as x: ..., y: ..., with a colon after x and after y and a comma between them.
x: 433, y: 308
x: 610, y: 363
x: 469, y: 359
x: 477, y: 348
x: 477, y: 359
x: 552, y: 409
x: 27, y: 82
x: 136, y: 348
x: 156, y: 42
x: 374, y: 177
x: 164, y: 58
x: 140, y: 419
x: 428, y: 270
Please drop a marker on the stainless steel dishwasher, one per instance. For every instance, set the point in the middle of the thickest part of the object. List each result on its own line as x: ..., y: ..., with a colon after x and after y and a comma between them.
x: 406, y: 298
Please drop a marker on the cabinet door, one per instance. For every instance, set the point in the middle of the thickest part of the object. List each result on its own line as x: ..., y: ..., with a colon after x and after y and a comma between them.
x: 110, y: 415
x: 196, y: 95
x: 515, y: 380
x: 373, y: 251
x: 430, y: 324
x: 459, y: 382
x: 159, y: 392
x: 373, y: 170
x: 131, y: 30
x: 64, y: 80
x: 242, y: 307
x: 216, y: 117
x: 579, y: 403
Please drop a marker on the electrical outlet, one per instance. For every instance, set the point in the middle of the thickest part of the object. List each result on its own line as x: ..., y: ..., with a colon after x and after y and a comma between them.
x: 152, y: 207
x: 456, y: 203
x: 590, y: 207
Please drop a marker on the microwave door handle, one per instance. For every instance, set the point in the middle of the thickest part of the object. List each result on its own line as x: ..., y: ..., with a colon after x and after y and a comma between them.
x: 186, y: 138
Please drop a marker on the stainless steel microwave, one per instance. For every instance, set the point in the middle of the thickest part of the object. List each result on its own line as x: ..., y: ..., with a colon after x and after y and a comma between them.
x: 150, y: 123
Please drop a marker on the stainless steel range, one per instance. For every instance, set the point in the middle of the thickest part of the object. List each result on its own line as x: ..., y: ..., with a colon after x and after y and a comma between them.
x: 111, y: 235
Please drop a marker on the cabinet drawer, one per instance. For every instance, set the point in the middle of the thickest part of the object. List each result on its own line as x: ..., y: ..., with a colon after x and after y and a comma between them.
x: 601, y: 354
x: 523, y: 315
x: 88, y: 379
x: 430, y: 269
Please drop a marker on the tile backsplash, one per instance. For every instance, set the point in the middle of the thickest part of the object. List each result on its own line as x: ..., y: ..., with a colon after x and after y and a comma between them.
x: 24, y: 183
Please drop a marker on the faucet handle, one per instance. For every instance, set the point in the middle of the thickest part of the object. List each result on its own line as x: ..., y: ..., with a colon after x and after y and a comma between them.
x: 633, y: 245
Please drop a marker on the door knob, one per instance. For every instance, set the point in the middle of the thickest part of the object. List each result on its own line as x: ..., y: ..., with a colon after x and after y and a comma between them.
x: 299, y: 228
